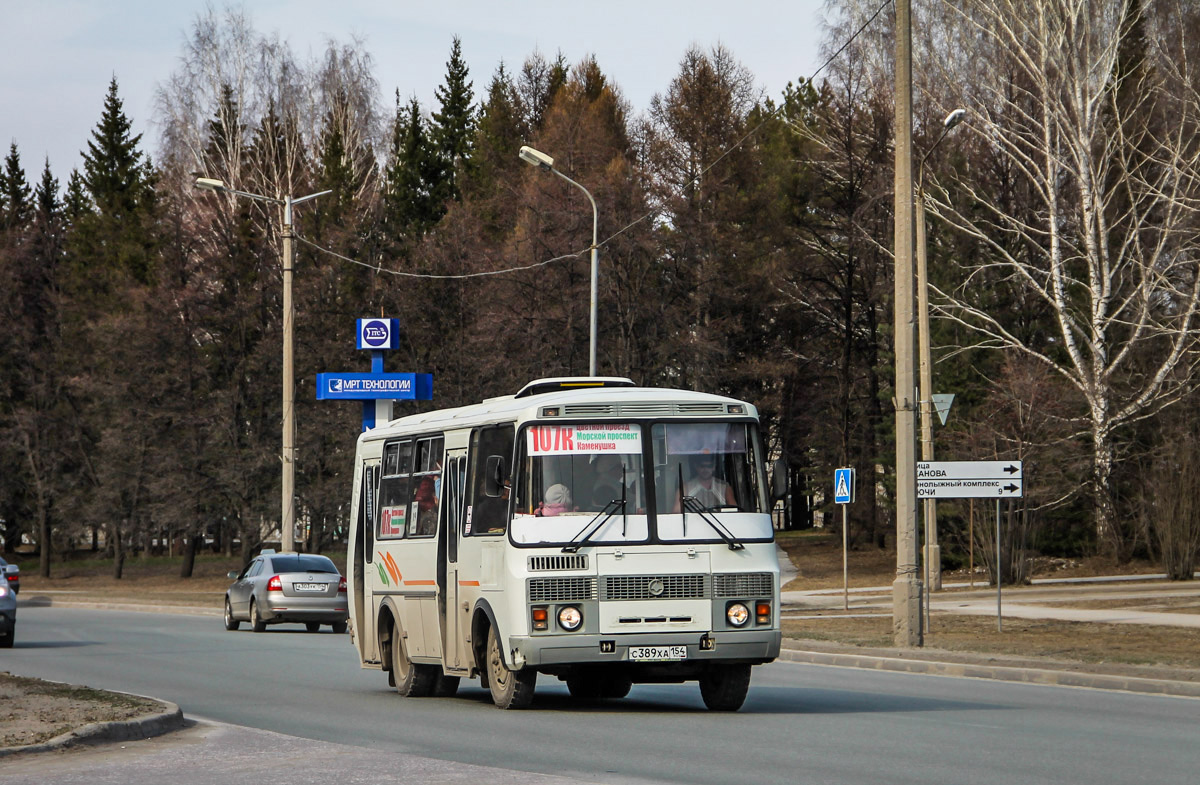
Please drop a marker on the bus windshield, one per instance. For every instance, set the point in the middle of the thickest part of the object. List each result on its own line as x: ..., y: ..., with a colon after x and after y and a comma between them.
x: 714, y: 463
x: 570, y: 475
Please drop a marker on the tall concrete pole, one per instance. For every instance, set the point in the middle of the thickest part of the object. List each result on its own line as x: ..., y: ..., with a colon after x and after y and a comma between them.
x: 288, y: 510
x: 906, y: 590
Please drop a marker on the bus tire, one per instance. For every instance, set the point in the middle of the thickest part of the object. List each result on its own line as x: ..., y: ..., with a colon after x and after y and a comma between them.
x: 724, y: 687
x: 510, y: 689
x: 445, y: 687
x: 585, y: 685
x: 230, y: 622
x: 256, y: 622
x: 617, y: 687
x: 412, y: 680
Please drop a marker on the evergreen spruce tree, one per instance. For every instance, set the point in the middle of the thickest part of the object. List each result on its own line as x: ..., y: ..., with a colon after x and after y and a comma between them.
x: 15, y: 206
x: 115, y: 174
x: 76, y: 202
x: 454, y: 125
x: 415, y: 196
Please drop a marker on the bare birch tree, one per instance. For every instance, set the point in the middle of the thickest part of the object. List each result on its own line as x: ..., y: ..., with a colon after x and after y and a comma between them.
x: 1090, y: 110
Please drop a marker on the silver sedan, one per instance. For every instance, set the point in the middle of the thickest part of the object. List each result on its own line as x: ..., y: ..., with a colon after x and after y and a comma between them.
x: 287, y: 587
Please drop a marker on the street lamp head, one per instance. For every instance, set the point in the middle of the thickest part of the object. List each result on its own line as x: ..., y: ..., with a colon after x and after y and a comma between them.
x: 536, y: 158
x: 209, y: 184
x: 954, y: 118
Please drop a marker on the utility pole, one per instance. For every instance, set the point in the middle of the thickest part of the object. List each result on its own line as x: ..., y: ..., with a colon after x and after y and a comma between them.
x: 906, y: 590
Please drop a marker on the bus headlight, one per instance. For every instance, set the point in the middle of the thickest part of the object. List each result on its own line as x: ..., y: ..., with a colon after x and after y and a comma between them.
x: 569, y: 618
x: 737, y: 614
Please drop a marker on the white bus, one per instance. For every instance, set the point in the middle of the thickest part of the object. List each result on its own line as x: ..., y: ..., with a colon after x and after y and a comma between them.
x: 545, y: 532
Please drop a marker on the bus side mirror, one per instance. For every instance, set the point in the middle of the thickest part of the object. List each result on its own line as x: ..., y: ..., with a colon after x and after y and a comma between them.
x: 779, y: 480
x: 493, y: 477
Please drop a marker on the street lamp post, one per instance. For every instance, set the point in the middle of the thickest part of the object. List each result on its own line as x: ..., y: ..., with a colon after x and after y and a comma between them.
x: 288, y: 509
x: 933, y: 552
x: 543, y: 161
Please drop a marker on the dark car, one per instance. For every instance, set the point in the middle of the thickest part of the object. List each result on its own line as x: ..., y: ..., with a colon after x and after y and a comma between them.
x: 274, y: 588
x: 8, y: 616
x: 12, y: 575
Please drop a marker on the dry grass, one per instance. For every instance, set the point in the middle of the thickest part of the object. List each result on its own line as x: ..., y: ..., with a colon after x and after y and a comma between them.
x: 35, y: 711
x: 144, y: 580
x: 1129, y: 649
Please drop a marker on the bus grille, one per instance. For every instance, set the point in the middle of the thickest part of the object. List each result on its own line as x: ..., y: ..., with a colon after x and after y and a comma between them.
x: 562, y: 589
x: 647, y: 587
x: 749, y: 584
x: 575, y: 561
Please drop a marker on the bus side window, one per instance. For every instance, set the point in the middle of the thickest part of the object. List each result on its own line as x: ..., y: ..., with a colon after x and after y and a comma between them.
x: 489, y: 514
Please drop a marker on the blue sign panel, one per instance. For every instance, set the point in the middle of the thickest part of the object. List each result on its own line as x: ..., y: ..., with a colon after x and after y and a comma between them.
x: 843, y: 486
x: 378, y: 333
x: 374, y: 386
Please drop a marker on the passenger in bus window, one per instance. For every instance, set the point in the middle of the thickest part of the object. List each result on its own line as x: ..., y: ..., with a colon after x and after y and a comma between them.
x: 426, y: 507
x: 557, y: 501
x: 708, y: 489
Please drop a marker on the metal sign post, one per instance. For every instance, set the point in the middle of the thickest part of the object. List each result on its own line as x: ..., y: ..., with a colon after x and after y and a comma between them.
x: 999, y: 617
x: 843, y: 494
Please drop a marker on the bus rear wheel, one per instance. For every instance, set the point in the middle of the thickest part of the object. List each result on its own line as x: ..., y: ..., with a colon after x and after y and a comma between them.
x: 412, y: 680
x: 724, y: 687
x: 510, y: 689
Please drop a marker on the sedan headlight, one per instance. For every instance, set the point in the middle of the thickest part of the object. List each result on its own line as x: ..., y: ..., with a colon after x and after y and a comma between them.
x: 737, y: 614
x: 569, y: 618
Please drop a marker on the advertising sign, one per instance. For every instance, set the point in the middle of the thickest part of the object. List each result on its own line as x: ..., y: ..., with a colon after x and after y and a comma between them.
x: 373, y: 386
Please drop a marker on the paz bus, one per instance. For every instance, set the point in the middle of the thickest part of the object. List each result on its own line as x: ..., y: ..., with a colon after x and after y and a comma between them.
x: 584, y: 528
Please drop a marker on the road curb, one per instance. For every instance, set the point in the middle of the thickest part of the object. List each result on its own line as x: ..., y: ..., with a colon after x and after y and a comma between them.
x: 1058, y: 678
x: 170, y: 718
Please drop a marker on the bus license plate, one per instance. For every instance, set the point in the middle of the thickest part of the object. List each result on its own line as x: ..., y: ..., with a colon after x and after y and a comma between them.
x: 657, y: 653
x: 308, y: 586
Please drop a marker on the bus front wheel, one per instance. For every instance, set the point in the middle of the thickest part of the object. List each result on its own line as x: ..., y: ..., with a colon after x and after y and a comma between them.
x: 510, y: 689
x: 724, y: 687
x: 411, y: 680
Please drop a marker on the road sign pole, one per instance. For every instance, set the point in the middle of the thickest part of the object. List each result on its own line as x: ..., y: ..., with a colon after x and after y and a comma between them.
x: 999, y: 616
x: 845, y: 557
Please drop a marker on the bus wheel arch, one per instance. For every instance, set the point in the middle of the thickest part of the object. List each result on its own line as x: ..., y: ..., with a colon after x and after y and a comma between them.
x: 482, y: 620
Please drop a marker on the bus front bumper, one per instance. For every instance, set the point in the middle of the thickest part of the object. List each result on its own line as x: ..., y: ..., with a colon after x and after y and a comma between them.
x: 547, y: 652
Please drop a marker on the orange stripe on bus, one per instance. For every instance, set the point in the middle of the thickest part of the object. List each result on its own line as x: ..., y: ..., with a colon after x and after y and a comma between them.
x: 468, y: 583
x: 419, y: 583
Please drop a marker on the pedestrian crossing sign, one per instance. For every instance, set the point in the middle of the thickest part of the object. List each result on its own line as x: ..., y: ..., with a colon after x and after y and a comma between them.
x: 843, y: 486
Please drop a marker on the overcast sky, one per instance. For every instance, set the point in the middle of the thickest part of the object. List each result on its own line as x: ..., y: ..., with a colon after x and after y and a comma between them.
x: 59, y: 55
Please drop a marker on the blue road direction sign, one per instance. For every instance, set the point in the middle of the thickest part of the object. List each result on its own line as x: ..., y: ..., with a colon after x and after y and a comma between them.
x: 969, y: 480
x: 374, y: 386
x: 843, y: 486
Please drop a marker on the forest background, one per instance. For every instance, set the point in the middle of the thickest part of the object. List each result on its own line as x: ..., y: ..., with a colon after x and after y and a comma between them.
x: 745, y: 249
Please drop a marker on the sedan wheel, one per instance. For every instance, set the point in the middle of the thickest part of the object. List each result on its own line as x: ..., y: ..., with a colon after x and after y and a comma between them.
x: 230, y: 622
x: 256, y: 622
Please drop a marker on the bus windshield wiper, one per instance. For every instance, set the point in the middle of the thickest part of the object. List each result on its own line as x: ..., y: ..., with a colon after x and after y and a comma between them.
x: 594, y: 525
x: 693, y: 504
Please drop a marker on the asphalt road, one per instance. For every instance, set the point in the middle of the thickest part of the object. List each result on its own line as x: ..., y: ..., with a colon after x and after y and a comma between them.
x: 800, y: 724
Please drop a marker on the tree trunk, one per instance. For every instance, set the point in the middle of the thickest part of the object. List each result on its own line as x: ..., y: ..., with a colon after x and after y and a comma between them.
x: 189, y: 556
x: 118, y: 550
